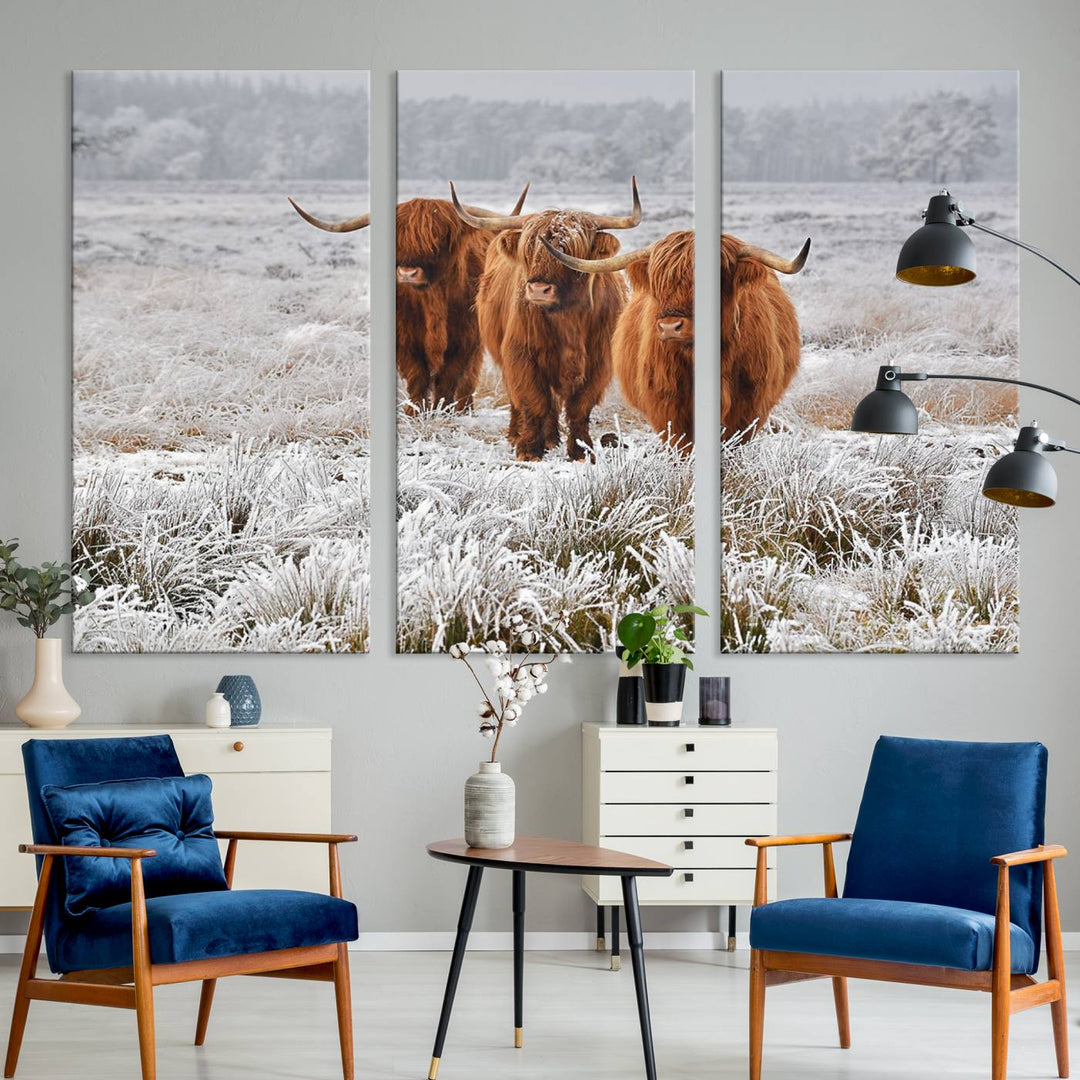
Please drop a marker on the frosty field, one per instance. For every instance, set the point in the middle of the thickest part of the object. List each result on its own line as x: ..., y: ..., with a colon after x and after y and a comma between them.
x: 482, y: 535
x: 221, y: 372
x: 841, y: 542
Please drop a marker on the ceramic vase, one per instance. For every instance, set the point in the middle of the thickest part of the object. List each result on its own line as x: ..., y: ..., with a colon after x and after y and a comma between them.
x: 664, y: 685
x: 630, y: 698
x: 489, y: 807
x: 218, y: 711
x: 243, y: 698
x: 48, y: 704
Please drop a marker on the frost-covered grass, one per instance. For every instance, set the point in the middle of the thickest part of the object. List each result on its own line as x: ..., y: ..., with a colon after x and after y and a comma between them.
x: 221, y: 373
x: 838, y: 542
x: 482, y: 535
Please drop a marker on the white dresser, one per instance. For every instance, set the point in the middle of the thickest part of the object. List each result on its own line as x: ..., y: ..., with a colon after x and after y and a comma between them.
x: 272, y: 779
x: 686, y: 796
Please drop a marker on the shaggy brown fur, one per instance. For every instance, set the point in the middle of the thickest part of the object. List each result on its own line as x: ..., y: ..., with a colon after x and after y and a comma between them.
x: 759, y: 340
x: 654, y: 340
x: 555, y: 353
x: 438, y: 342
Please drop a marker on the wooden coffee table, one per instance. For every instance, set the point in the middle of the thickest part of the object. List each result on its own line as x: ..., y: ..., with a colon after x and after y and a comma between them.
x: 541, y: 855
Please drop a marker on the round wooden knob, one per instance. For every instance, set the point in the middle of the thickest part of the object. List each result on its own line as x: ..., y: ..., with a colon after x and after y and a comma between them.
x: 238, y: 746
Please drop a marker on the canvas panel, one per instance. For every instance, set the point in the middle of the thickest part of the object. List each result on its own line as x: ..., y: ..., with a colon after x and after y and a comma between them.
x: 221, y: 361
x: 535, y: 475
x: 842, y: 542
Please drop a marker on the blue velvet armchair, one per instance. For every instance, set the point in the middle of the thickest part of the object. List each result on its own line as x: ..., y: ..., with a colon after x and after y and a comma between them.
x: 945, y: 875
x: 132, y: 893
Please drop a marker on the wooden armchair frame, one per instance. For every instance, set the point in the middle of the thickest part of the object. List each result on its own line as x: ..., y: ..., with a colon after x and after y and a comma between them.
x: 1009, y: 993
x: 133, y: 987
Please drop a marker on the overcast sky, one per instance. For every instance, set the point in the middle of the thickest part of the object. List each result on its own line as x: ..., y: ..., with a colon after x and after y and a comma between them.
x: 551, y: 86
x: 335, y: 79
x: 752, y: 88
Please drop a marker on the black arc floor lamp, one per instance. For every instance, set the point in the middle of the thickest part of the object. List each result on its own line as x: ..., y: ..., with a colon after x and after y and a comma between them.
x: 940, y: 253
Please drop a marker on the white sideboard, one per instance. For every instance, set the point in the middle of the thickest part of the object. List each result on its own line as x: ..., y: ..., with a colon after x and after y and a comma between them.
x: 273, y: 779
x: 686, y: 796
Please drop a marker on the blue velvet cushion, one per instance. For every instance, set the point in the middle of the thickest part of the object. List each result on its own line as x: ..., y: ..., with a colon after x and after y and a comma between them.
x: 896, y: 930
x: 933, y: 815
x: 198, y: 926
x: 171, y: 815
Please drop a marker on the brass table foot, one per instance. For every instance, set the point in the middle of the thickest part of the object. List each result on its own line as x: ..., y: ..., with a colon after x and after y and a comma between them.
x: 433, y: 1072
x: 616, y: 963
x: 517, y: 1038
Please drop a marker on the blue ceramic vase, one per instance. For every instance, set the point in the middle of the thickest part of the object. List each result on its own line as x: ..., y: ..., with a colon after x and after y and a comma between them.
x: 243, y: 699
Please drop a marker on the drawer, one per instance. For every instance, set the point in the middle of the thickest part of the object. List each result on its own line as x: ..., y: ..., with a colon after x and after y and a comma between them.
x: 670, y: 819
x: 263, y: 751
x: 707, y: 853
x: 687, y: 787
x: 689, y: 749
x: 709, y: 888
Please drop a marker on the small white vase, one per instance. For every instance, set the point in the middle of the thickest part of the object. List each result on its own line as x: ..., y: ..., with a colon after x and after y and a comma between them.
x: 48, y: 704
x: 489, y: 808
x: 218, y: 711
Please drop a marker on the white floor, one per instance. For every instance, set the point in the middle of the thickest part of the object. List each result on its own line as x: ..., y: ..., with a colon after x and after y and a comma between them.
x: 580, y: 1021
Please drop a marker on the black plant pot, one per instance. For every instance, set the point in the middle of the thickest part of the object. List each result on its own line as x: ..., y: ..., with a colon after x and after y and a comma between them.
x: 664, y: 685
x: 630, y: 700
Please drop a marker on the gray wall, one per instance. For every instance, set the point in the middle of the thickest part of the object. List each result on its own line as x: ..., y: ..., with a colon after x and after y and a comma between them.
x: 403, y: 725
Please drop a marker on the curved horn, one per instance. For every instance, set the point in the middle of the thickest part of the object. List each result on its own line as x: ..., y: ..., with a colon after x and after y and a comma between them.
x: 598, y: 266
x: 628, y: 221
x: 351, y: 225
x: 774, y: 261
x: 479, y: 211
x: 481, y: 220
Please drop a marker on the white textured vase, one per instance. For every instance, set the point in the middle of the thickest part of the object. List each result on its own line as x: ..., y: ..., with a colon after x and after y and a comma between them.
x: 489, y: 807
x: 48, y: 704
x: 218, y: 711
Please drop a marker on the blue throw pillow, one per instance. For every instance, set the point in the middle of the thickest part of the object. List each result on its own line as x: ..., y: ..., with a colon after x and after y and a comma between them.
x: 172, y: 815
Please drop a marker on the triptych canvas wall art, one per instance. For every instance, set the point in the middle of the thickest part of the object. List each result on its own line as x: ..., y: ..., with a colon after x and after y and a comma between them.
x: 544, y: 359
x: 221, y: 361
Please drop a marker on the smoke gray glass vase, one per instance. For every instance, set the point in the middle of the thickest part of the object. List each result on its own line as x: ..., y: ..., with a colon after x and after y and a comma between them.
x: 243, y: 698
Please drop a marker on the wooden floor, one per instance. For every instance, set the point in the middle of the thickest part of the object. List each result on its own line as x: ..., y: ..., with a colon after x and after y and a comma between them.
x: 580, y: 1022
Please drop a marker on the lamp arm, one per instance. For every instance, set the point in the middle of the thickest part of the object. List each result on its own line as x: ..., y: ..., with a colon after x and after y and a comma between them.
x: 1020, y: 244
x: 1014, y: 382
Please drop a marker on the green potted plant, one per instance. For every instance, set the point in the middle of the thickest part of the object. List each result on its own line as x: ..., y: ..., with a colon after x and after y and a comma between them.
x: 654, y: 640
x: 38, y: 597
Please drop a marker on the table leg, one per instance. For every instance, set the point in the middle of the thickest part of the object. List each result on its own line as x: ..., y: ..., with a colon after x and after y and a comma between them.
x: 637, y: 958
x: 600, y: 944
x: 732, y: 909
x: 519, y: 955
x: 468, y: 908
x: 616, y: 958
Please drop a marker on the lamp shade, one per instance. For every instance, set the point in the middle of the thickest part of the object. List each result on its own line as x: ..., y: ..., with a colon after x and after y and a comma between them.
x: 1024, y: 477
x: 940, y: 252
x: 886, y: 412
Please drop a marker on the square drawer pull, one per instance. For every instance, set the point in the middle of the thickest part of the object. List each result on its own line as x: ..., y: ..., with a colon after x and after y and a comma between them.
x: 688, y: 812
x: 688, y: 779
x: 689, y: 747
x: 688, y: 878
x: 688, y: 845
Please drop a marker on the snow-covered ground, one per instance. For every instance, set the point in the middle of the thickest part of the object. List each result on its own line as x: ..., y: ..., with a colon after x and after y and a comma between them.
x: 833, y: 541
x: 482, y: 535
x: 221, y: 372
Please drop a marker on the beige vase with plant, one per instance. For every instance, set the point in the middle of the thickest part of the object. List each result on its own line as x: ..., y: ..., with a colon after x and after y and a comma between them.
x: 38, y: 597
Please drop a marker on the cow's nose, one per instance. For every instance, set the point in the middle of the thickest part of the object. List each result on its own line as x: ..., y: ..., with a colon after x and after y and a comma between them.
x: 540, y: 292
x: 410, y: 275
x: 671, y: 328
